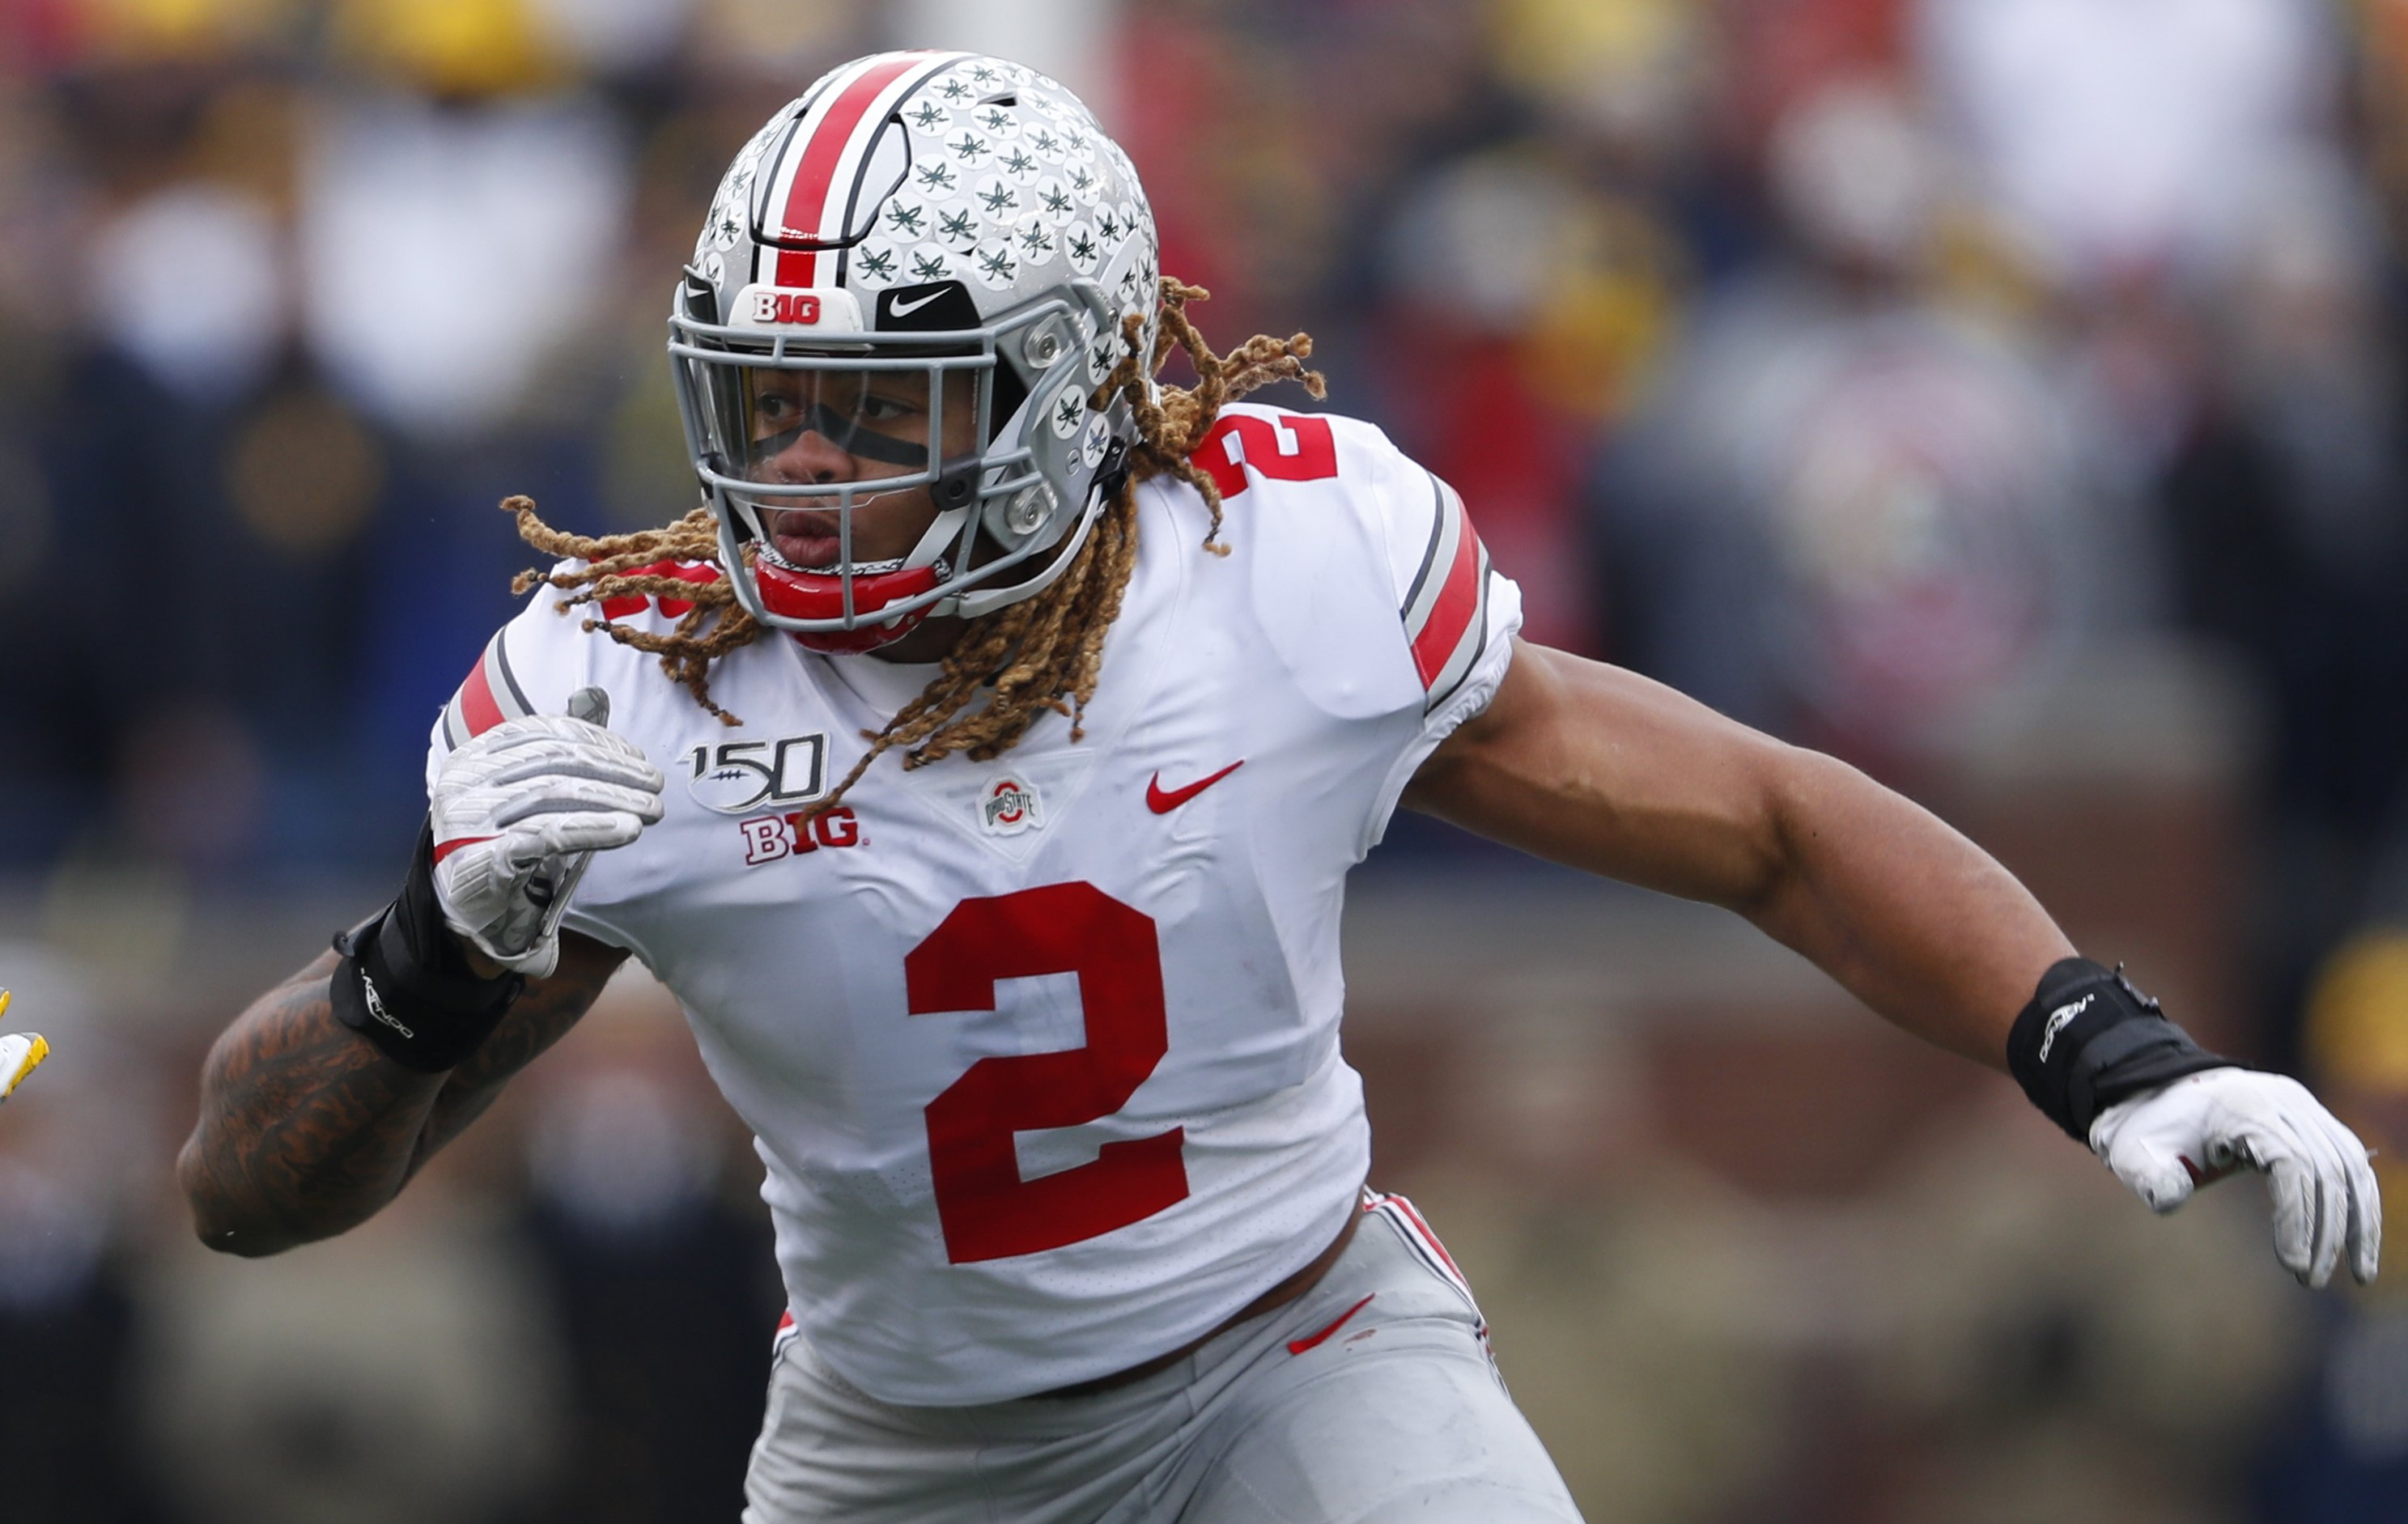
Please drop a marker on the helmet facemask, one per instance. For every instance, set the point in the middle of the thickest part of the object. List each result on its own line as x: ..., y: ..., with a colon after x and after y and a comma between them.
x: 941, y: 418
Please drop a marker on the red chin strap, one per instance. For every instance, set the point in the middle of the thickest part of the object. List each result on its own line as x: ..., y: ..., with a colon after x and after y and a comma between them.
x: 819, y: 595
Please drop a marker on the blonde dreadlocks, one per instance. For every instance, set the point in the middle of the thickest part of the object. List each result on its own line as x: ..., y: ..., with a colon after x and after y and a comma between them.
x: 1042, y: 653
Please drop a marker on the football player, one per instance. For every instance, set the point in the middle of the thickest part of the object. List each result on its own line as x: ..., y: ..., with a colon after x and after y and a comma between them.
x: 1036, y: 1019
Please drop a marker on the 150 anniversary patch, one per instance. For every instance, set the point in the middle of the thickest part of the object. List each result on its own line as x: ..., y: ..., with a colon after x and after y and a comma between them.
x: 737, y: 777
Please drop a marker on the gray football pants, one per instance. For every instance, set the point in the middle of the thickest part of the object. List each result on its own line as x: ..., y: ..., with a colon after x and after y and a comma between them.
x: 1369, y: 1399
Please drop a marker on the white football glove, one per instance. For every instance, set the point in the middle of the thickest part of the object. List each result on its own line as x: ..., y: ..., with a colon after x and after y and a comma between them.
x: 2204, y: 1127
x: 517, y: 811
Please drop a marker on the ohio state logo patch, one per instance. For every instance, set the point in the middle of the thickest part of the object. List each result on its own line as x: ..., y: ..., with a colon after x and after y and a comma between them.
x: 1011, y: 806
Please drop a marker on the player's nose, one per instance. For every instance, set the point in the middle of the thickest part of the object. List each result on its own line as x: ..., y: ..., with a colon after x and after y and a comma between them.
x: 810, y: 458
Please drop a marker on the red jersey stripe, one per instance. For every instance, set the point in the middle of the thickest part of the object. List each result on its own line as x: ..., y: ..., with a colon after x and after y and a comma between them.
x: 807, y: 194
x: 477, y: 704
x: 1423, y: 1228
x: 1458, y: 600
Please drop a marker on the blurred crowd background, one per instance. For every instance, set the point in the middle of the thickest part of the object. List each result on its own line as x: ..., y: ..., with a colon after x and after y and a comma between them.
x: 2006, y: 395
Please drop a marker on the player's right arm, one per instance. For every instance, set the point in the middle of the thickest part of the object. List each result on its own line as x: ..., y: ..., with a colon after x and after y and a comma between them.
x: 307, y: 1129
x: 323, y: 1097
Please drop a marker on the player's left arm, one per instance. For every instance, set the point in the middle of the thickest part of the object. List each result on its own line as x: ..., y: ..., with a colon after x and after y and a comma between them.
x: 1603, y: 769
x: 1600, y: 769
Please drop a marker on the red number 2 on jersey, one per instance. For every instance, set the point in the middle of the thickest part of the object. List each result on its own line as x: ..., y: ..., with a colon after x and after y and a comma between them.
x: 987, y: 1210
x: 1292, y: 447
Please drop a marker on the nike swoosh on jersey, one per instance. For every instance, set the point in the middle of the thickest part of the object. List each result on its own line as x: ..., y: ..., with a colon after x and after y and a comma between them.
x: 1162, y: 801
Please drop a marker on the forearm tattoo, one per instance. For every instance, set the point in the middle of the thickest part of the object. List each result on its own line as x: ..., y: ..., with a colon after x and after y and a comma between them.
x: 307, y: 1130
x: 543, y: 1016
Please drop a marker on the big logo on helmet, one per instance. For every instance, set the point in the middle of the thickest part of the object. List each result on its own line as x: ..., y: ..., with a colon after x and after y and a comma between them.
x: 785, y: 307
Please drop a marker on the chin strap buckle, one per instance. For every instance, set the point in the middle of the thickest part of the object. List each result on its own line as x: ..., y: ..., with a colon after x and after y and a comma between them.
x: 1113, y: 473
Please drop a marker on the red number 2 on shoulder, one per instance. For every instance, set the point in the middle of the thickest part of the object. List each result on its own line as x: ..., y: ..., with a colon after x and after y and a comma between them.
x: 988, y: 1211
x: 1286, y: 447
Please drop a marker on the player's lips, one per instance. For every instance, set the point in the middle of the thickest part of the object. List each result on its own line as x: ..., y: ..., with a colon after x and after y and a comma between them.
x: 806, y: 541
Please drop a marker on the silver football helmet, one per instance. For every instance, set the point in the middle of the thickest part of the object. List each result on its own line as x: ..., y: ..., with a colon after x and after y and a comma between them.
x: 914, y: 219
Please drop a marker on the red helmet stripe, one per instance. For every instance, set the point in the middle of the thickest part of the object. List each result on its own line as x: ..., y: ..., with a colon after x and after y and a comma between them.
x: 807, y: 194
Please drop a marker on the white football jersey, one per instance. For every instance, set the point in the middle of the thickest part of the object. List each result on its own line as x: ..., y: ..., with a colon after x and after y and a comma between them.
x: 1043, y: 1053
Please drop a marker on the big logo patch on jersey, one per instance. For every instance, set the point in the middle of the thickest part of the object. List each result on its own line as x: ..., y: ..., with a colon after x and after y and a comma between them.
x: 737, y: 777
